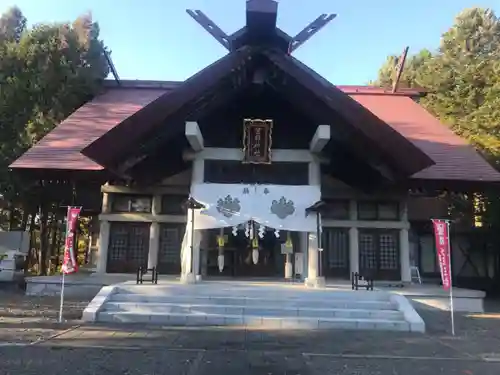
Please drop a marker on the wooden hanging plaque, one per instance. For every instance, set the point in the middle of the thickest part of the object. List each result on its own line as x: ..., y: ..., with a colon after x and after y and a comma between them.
x: 257, y: 140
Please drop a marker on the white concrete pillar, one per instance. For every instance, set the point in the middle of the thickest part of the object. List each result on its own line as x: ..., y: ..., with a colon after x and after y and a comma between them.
x: 313, y: 279
x: 154, y: 232
x: 404, y: 253
x: 154, y: 244
x: 94, y: 241
x: 106, y: 203
x: 104, y: 228
x: 186, y: 261
x: 102, y: 258
x: 288, y: 266
x: 196, y: 254
x: 353, y: 237
x: 303, y: 242
x: 190, y: 268
x: 404, y: 244
x: 204, y: 253
x: 354, y: 249
x: 312, y: 256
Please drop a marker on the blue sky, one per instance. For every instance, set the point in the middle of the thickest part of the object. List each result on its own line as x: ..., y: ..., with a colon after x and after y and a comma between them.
x: 156, y: 39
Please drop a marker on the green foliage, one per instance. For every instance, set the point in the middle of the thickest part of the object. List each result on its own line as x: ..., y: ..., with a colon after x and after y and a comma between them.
x: 46, y: 72
x: 12, y: 25
x: 463, y: 82
x: 409, y: 77
x: 462, y: 78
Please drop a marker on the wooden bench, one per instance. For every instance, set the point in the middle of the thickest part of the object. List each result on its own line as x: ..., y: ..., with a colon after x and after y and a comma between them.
x: 361, y: 281
x: 141, y: 271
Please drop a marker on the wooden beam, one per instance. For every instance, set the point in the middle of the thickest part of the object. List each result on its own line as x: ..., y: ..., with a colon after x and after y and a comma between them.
x: 176, y: 190
x: 194, y: 136
x: 210, y: 27
x: 112, y: 66
x: 400, y: 65
x: 320, y: 138
x: 309, y: 31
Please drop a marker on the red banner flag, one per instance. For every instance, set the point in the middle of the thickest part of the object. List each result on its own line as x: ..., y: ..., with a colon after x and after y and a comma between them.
x: 442, y: 236
x: 70, y: 264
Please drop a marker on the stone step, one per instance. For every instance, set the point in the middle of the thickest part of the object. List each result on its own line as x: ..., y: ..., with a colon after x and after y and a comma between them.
x: 204, y: 290
x: 252, y: 321
x: 244, y: 310
x: 327, y: 303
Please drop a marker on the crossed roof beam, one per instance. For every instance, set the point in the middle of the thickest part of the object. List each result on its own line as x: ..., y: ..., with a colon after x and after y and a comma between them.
x: 261, y: 16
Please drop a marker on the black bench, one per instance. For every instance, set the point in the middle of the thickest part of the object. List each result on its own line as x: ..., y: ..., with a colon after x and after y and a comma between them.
x: 363, y: 281
x: 141, y: 271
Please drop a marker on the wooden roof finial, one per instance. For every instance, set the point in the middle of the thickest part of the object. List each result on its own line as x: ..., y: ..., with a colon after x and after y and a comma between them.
x: 309, y: 31
x: 400, y: 65
x: 210, y: 27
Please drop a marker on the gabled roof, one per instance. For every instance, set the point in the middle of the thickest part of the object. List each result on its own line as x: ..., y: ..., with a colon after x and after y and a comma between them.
x: 61, y: 148
x: 455, y: 159
x: 113, y: 143
x: 395, y: 151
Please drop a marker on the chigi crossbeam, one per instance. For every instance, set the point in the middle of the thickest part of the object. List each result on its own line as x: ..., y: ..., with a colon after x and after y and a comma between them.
x: 261, y: 16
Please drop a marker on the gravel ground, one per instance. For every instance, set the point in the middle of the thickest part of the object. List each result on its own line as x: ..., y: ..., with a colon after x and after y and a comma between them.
x: 131, y: 349
x: 38, y: 360
x: 26, y: 319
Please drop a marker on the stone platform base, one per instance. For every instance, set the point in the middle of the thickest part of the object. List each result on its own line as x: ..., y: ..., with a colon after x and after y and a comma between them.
x: 84, y: 285
x: 434, y: 297
x: 254, y: 305
x: 75, y: 286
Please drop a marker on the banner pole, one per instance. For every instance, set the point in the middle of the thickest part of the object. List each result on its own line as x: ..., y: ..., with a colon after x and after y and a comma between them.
x: 452, y: 310
x: 62, y: 266
x: 62, y: 299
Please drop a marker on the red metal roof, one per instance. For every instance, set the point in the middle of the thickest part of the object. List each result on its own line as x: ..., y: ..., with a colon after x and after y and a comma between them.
x: 455, y: 159
x: 380, y: 140
x: 60, y: 149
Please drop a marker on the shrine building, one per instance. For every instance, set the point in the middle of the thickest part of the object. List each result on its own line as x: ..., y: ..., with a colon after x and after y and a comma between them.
x: 288, y: 175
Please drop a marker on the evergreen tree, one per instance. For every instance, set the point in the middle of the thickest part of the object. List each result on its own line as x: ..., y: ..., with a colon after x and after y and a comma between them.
x: 45, y: 73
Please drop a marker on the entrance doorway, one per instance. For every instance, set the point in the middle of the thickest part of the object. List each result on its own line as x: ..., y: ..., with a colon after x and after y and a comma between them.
x: 238, y: 260
x: 379, y: 254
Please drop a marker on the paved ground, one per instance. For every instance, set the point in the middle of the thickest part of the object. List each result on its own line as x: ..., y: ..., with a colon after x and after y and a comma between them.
x: 32, y: 343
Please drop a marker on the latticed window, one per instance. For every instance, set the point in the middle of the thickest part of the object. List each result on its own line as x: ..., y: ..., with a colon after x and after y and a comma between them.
x: 379, y: 253
x: 378, y: 211
x: 389, y: 259
x: 173, y: 204
x: 367, y: 251
x: 128, y: 247
x: 336, y: 209
x: 336, y: 252
x: 169, y: 254
x: 131, y: 203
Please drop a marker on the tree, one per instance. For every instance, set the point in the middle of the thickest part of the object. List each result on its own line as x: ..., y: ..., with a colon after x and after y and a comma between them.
x: 12, y: 25
x: 46, y: 72
x: 462, y: 79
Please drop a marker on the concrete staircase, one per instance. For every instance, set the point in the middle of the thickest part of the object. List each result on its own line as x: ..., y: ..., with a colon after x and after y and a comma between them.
x: 258, y: 305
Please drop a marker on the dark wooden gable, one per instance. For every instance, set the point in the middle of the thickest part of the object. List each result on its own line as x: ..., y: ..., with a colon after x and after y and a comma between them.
x: 264, y: 84
x: 166, y: 114
x: 373, y: 136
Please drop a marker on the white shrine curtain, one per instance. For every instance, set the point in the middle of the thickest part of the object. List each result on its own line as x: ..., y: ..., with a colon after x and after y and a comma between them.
x: 276, y: 206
